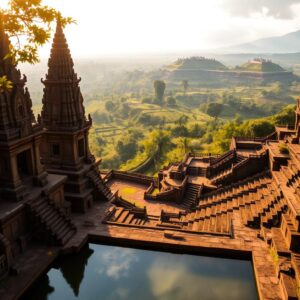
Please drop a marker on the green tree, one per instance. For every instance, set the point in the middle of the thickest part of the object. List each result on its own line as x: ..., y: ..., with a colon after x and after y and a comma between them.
x: 126, y: 148
x: 109, y: 106
x: 28, y: 25
x: 197, y: 131
x: 171, y: 101
x: 185, y: 85
x: 5, y: 84
x: 214, y: 109
x: 184, y: 143
x: 158, y: 140
x: 180, y: 130
x: 159, y: 88
x: 182, y: 120
x: 260, y: 128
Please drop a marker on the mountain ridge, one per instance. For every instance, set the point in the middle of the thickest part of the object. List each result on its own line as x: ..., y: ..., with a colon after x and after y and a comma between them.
x: 287, y: 43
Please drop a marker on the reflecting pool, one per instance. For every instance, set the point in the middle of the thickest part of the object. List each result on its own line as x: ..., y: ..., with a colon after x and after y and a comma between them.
x: 110, y: 272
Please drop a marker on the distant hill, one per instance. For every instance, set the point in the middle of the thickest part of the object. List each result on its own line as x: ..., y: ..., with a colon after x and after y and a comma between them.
x: 289, y: 43
x: 197, y: 63
x: 260, y: 65
x: 203, y: 70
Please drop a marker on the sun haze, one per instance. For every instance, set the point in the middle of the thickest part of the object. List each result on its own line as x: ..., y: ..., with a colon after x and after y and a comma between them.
x: 118, y: 27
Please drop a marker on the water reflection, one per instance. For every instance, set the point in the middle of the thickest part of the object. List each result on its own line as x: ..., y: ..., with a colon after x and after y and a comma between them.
x: 171, y: 280
x: 116, y: 263
x: 107, y: 272
x: 74, y: 275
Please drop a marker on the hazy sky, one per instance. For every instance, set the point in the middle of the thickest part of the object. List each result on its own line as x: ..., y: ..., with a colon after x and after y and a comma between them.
x: 113, y: 27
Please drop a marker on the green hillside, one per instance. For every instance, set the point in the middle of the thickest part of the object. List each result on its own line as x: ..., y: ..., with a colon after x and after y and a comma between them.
x: 260, y: 65
x: 197, y: 63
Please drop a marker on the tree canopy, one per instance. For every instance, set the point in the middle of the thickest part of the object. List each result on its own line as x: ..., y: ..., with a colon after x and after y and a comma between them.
x: 214, y: 109
x: 159, y: 87
x: 28, y: 24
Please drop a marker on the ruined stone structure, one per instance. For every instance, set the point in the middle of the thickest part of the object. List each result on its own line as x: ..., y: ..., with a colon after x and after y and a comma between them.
x: 65, y: 147
x: 245, y: 202
x: 249, y: 194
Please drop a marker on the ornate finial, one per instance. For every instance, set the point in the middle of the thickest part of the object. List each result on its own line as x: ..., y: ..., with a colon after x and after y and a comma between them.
x: 62, y: 78
x: 58, y: 23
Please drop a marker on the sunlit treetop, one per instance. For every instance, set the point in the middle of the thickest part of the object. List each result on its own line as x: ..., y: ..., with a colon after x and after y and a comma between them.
x: 28, y: 25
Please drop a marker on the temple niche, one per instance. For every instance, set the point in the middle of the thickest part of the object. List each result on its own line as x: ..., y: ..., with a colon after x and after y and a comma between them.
x: 65, y: 148
x: 20, y: 133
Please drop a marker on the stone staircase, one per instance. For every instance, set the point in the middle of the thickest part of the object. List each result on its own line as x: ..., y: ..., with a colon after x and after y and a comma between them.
x: 101, y: 187
x: 221, y: 173
x: 217, y: 178
x: 284, y: 239
x: 239, y: 169
x: 190, y: 197
x: 258, y: 201
x: 229, y: 155
x: 127, y: 216
x: 220, y: 224
x: 51, y: 224
x: 285, y: 246
x: 206, y: 220
x: 202, y: 172
x: 240, y: 158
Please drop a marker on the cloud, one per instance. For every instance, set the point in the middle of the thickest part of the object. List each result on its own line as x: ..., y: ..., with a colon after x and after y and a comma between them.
x: 279, y: 9
x: 116, y: 263
x: 173, y: 279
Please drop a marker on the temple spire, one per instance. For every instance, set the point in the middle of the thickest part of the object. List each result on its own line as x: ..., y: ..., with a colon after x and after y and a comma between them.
x: 16, y: 117
x: 62, y: 102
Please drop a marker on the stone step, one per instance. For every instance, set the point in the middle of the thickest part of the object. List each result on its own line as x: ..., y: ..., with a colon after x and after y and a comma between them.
x: 123, y: 216
x: 129, y: 219
x: 118, y: 212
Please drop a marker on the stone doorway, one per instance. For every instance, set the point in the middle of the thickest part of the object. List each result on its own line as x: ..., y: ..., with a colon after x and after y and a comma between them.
x: 24, y: 164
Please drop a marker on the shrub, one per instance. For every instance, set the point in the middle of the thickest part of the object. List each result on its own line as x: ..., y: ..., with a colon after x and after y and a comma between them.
x: 283, y: 149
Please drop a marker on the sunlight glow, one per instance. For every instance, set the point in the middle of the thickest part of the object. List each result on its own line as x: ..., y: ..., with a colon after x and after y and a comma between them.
x: 120, y: 27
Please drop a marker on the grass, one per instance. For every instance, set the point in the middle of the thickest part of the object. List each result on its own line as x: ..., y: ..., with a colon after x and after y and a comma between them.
x: 274, y: 256
x: 283, y: 149
x: 155, y: 192
x: 135, y: 162
x: 127, y: 191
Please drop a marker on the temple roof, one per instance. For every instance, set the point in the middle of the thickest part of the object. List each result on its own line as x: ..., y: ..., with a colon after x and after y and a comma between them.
x: 16, y: 116
x: 62, y: 102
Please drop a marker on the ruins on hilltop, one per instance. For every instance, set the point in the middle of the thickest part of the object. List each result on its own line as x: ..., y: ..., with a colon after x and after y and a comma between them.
x: 53, y: 198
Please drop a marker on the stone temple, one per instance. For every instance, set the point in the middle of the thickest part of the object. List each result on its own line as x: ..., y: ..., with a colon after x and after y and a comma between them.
x: 54, y: 199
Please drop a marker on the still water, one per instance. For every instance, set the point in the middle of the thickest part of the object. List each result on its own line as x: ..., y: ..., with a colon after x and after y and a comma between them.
x: 113, y: 273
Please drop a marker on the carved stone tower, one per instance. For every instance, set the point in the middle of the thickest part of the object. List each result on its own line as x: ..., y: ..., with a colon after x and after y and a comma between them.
x: 20, y: 133
x: 31, y: 201
x: 65, y: 147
